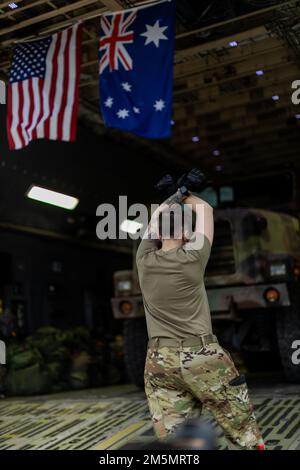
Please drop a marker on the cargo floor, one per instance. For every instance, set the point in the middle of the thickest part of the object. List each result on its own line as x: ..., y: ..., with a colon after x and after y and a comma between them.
x: 109, y: 418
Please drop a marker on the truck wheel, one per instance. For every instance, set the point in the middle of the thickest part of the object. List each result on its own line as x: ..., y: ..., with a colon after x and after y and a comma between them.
x: 288, y: 331
x: 135, y: 349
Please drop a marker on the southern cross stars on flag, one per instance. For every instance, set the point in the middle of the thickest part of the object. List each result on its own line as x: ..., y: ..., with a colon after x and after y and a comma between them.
x: 43, y: 89
x: 136, y: 69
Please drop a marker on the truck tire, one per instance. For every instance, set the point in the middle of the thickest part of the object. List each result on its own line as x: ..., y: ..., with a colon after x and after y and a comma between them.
x: 135, y: 349
x: 288, y: 332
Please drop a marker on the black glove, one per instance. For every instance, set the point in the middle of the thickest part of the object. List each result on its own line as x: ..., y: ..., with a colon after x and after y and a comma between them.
x: 194, y: 180
x: 166, y: 187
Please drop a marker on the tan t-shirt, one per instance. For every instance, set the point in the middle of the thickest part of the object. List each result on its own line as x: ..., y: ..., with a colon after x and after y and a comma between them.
x: 173, y: 290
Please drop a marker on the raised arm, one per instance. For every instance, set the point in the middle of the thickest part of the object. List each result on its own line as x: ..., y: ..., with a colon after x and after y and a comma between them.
x: 204, y: 216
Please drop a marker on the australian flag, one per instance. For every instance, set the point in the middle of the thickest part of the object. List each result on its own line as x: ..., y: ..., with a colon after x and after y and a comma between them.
x: 136, y: 69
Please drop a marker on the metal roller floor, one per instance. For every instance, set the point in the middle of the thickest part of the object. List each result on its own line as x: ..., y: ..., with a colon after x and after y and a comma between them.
x: 110, y: 418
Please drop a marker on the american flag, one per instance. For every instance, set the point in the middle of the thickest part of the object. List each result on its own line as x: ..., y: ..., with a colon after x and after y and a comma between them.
x: 43, y: 89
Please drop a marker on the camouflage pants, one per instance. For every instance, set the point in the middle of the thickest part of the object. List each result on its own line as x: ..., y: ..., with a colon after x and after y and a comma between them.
x: 179, y: 381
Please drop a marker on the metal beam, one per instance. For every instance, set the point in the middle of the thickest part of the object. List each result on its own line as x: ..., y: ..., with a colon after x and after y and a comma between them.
x: 257, y: 32
x: 66, y: 238
x: 257, y: 13
x: 112, y: 5
x: 19, y: 10
x: 57, y: 26
x: 47, y: 16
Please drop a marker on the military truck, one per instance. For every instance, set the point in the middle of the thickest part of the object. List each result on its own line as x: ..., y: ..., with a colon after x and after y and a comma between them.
x: 252, y: 278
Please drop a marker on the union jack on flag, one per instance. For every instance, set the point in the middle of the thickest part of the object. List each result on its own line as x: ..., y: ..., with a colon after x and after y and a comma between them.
x: 136, y: 69
x: 112, y: 43
x: 43, y: 89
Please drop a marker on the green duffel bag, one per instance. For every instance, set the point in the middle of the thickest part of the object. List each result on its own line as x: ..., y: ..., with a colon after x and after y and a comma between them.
x: 14, y: 349
x: 79, y: 380
x: 78, y: 338
x: 24, y: 359
x: 55, y: 371
x: 79, y: 373
x: 29, y: 381
x: 46, y: 345
x: 61, y: 354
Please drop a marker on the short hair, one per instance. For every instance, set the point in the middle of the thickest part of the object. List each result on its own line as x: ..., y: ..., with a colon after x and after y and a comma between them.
x: 171, y: 223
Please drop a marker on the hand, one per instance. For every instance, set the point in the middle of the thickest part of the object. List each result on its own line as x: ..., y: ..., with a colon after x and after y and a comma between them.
x: 166, y: 187
x: 195, y: 180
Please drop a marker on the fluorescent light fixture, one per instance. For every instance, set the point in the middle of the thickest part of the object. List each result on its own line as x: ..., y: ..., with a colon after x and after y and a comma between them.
x: 13, y: 6
x: 216, y: 152
x: 259, y: 72
x: 196, y: 138
x: 130, y: 226
x: 233, y: 44
x: 52, y: 197
x: 275, y: 97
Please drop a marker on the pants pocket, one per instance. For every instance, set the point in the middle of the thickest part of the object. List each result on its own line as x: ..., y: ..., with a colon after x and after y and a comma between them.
x: 242, y: 428
x: 238, y: 398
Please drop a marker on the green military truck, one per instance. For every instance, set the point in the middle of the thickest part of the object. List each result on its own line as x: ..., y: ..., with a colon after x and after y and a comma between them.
x: 252, y: 278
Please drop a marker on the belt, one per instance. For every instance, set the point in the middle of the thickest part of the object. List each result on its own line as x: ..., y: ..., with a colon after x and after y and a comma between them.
x: 184, y: 342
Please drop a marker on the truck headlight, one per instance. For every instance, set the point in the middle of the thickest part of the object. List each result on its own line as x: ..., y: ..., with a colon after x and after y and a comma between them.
x: 271, y: 295
x: 278, y: 269
x: 124, y: 286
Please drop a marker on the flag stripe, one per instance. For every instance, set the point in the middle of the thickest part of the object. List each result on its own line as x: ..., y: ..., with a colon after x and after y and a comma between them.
x: 26, y: 107
x: 36, y: 99
x: 46, y: 89
x: 105, y: 24
x: 40, y: 100
x: 65, y: 90
x: 31, y: 108
x: 75, y: 103
x: 58, y: 96
x: 20, y: 113
x: 67, y: 118
x: 124, y: 57
x: 129, y: 21
x: 53, y: 85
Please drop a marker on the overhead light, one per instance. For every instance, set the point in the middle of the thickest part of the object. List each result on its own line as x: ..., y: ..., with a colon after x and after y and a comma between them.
x: 259, y: 72
x: 130, y: 226
x: 13, y: 6
x: 275, y: 97
x: 297, y: 116
x: 52, y: 197
x: 196, y: 138
x: 232, y: 43
x: 218, y: 168
x: 216, y: 152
